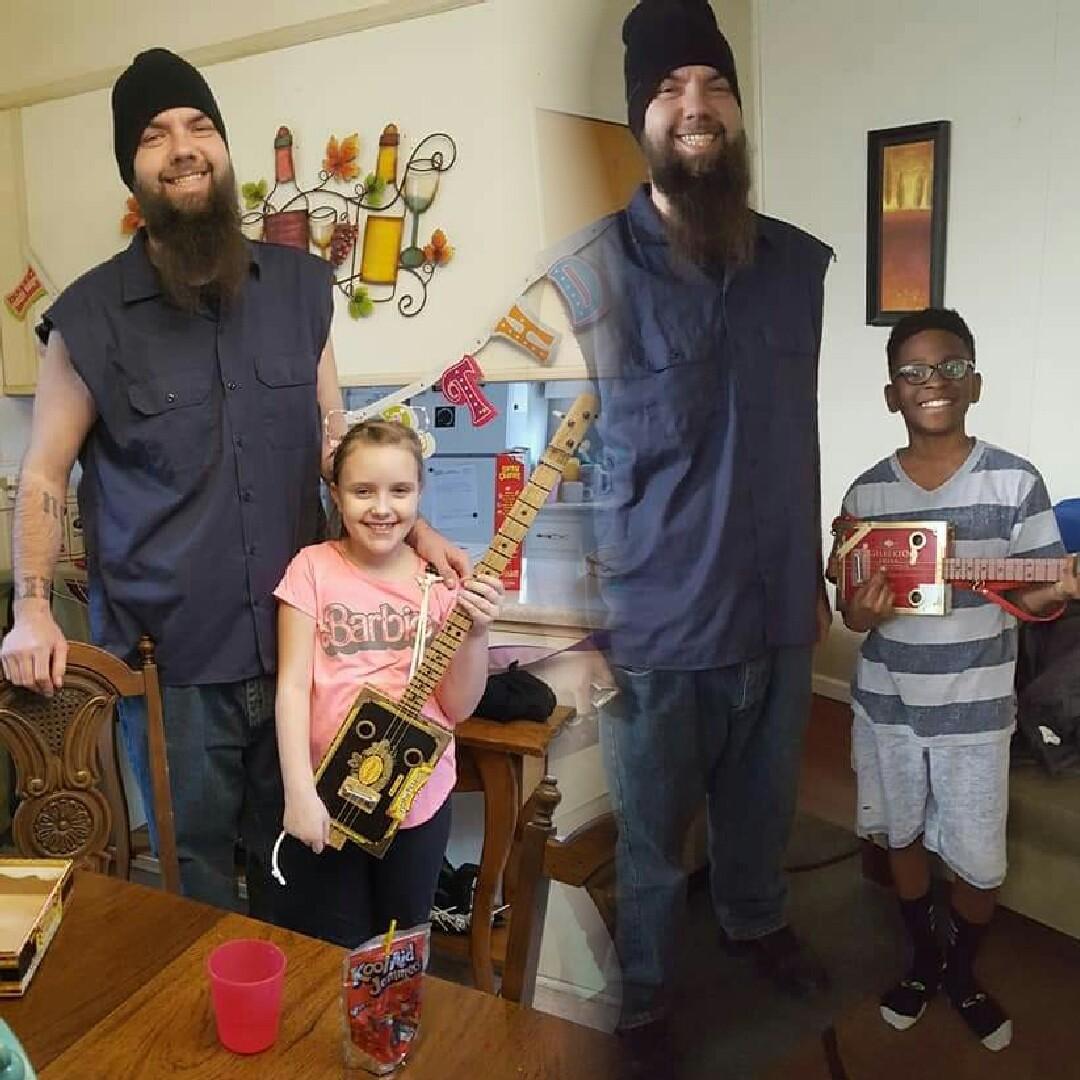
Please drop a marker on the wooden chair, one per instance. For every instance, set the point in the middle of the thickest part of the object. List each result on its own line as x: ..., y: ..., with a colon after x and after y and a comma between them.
x: 585, y: 858
x: 71, y: 799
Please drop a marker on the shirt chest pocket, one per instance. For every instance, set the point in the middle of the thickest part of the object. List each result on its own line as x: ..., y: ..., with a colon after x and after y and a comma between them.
x: 169, y: 425
x: 789, y: 365
x: 683, y: 370
x: 288, y: 400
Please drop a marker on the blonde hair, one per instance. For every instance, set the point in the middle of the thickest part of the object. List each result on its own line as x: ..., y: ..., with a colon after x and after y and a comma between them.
x: 379, y: 433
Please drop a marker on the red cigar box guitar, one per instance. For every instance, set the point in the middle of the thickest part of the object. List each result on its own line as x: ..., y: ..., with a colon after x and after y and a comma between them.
x: 916, y: 559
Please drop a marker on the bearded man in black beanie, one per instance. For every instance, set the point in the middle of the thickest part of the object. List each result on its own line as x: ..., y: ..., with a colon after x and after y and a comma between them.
x: 701, y: 321
x: 189, y: 374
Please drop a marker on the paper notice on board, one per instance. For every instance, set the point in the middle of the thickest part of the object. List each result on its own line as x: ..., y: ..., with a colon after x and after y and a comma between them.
x: 453, y: 495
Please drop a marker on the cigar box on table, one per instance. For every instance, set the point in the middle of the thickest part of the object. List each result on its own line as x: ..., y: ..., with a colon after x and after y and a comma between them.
x: 33, y: 893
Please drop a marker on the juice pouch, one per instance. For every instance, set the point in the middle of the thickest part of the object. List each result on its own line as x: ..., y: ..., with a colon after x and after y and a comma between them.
x: 381, y: 995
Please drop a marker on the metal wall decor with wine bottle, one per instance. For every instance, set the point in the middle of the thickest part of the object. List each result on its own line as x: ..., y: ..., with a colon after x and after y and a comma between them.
x: 328, y: 218
x: 373, y: 267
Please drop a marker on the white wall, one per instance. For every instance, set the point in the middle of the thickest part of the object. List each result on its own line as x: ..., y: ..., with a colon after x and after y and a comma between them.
x: 1010, y: 83
x: 14, y: 431
x: 47, y: 42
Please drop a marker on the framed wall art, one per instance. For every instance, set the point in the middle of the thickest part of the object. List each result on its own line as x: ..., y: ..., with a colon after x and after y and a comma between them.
x: 907, y: 193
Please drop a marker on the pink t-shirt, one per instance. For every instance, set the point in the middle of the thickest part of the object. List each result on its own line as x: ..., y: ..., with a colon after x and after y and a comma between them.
x: 365, y: 628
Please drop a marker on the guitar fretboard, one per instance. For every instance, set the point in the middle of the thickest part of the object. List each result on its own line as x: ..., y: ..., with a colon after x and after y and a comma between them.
x: 1020, y: 571
x: 515, y: 525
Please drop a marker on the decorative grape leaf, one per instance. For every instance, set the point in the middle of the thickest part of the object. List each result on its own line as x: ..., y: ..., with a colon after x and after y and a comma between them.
x: 253, y: 193
x: 374, y: 186
x: 132, y: 220
x: 360, y: 303
x: 340, y: 161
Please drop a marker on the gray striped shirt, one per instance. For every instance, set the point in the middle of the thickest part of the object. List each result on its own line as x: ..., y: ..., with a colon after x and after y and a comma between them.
x: 953, y: 676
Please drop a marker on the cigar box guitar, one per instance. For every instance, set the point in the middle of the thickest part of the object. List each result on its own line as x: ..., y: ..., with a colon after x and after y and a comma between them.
x: 385, y: 750
x: 916, y: 559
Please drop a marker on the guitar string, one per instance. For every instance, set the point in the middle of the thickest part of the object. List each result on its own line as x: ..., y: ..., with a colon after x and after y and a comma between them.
x: 425, y: 582
x: 972, y: 568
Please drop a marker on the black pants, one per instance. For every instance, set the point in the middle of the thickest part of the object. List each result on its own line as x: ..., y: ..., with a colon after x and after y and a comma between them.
x: 348, y: 896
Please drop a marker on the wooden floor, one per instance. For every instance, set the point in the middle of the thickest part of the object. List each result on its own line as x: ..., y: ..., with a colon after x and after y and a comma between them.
x: 827, y: 783
x: 1035, y: 971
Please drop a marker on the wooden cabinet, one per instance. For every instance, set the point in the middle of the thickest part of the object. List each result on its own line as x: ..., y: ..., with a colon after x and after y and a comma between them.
x: 18, y: 352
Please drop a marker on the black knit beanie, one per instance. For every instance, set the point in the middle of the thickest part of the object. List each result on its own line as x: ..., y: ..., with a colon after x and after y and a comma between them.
x: 663, y: 35
x: 156, y: 80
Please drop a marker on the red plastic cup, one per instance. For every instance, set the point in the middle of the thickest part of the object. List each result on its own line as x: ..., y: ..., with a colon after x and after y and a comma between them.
x: 246, y: 980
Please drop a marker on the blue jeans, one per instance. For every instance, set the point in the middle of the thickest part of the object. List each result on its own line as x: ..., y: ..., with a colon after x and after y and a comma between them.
x: 730, y: 737
x: 226, y: 785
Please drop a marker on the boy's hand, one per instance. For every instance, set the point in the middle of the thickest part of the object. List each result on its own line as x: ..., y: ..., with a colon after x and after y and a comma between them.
x: 871, y: 605
x: 482, y: 597
x: 307, y: 819
x: 1068, y: 586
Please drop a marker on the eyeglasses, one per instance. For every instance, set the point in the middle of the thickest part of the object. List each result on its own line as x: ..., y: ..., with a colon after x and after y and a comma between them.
x: 954, y: 369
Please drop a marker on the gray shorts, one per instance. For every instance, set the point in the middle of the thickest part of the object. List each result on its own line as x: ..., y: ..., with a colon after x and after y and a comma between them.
x: 956, y: 794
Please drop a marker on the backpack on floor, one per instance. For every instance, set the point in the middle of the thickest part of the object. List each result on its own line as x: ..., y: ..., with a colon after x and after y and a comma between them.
x: 1048, y: 691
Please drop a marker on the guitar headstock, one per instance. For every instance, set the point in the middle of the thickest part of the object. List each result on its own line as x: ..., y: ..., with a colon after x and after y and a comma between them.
x: 576, y: 423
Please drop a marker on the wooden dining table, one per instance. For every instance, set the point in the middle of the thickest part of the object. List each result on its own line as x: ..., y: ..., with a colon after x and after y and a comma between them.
x: 122, y: 994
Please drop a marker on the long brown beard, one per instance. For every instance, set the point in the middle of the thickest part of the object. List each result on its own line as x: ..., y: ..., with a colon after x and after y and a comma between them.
x: 200, y: 252
x: 710, y: 223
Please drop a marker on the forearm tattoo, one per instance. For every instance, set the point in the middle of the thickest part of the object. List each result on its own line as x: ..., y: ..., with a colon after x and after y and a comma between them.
x: 33, y: 588
x: 51, y: 506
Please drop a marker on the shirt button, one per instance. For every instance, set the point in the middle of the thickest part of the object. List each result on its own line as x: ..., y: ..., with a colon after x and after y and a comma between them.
x: 246, y: 496
x: 239, y: 442
x: 170, y: 398
x: 232, y: 386
x: 251, y: 549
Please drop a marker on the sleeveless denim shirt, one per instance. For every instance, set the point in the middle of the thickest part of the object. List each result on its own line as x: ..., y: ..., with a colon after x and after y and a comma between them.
x: 711, y: 537
x: 200, y: 475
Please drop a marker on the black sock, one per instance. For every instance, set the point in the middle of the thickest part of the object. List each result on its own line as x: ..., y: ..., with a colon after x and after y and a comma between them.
x: 964, y: 940
x: 921, y: 928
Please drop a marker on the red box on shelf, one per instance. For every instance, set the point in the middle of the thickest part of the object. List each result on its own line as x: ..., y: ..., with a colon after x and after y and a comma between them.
x: 509, y: 484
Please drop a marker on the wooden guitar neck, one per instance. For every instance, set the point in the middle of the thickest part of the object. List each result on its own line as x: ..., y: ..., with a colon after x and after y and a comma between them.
x: 516, y: 524
x: 1007, y: 571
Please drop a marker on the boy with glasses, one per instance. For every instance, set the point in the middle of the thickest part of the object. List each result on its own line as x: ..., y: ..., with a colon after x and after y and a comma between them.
x: 933, y: 698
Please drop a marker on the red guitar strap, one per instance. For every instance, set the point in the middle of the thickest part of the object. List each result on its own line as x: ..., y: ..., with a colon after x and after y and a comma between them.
x: 992, y: 591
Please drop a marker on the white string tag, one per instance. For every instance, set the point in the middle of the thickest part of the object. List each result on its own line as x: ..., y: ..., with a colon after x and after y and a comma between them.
x: 425, y: 581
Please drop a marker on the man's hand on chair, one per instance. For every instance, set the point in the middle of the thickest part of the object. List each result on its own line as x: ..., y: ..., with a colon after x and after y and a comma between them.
x: 34, y: 654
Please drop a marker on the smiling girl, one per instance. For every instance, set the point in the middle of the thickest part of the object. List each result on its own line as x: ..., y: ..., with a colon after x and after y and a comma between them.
x: 349, y: 615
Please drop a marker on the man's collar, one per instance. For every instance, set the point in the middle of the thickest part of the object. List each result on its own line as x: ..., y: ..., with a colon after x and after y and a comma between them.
x: 141, y: 281
x: 648, y: 226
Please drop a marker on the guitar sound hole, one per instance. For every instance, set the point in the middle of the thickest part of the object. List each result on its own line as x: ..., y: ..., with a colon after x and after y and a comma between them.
x: 413, y: 757
x: 365, y: 729
x: 915, y: 598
